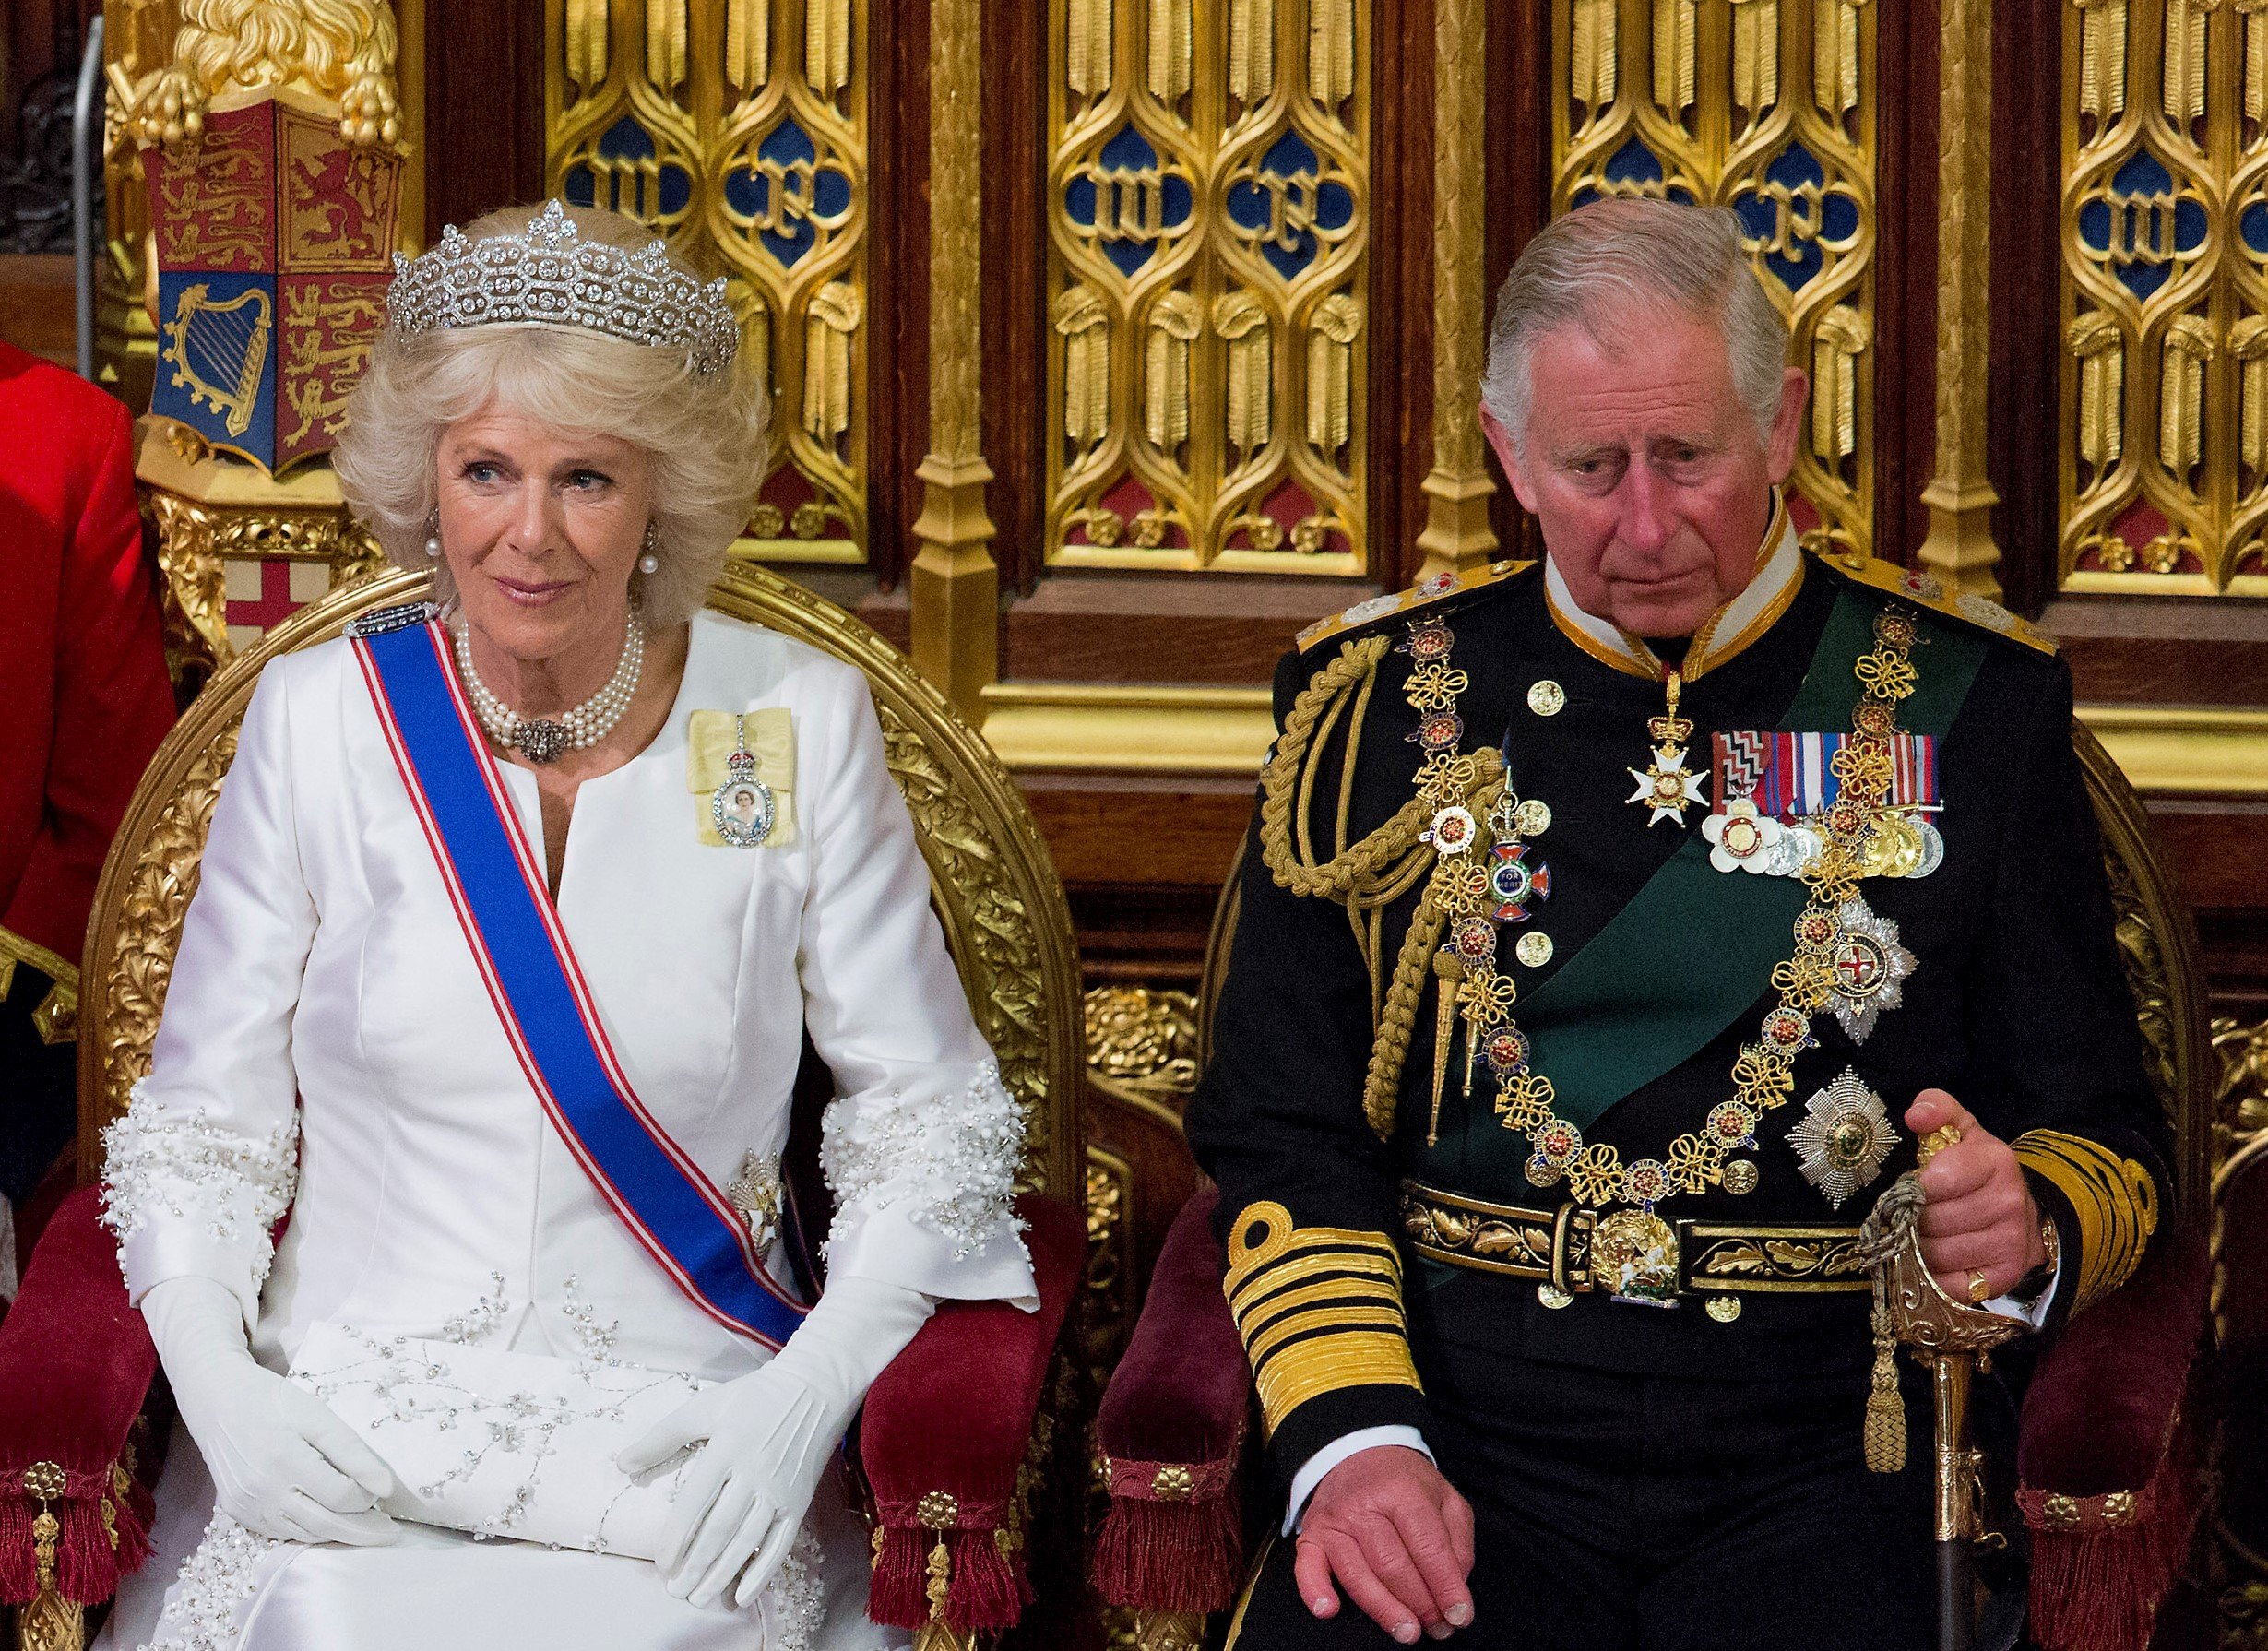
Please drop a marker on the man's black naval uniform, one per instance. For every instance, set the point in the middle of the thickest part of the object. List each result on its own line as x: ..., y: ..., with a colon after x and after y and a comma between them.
x: 1646, y: 1476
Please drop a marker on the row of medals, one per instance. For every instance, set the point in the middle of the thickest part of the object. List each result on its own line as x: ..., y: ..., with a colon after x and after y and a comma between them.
x: 1847, y: 958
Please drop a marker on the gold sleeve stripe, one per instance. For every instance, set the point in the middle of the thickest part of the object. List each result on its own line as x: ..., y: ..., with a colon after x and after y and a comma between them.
x: 1319, y: 1308
x: 1323, y: 1265
x: 1308, y: 1295
x: 1287, y: 1334
x: 2114, y: 1198
x: 1308, y: 1370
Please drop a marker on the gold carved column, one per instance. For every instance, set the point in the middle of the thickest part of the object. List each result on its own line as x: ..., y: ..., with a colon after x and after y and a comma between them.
x: 955, y: 582
x: 1457, y: 490
x: 1959, y: 547
x: 1768, y: 107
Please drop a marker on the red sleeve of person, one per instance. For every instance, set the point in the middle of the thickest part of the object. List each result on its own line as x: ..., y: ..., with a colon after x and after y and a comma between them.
x: 83, y: 680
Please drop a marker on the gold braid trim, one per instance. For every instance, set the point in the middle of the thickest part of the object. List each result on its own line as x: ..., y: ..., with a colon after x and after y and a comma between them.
x: 1281, y: 788
x: 2114, y: 1199
x: 1390, y: 1049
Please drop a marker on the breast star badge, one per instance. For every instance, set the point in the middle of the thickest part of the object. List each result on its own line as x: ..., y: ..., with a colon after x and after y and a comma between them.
x: 1844, y: 1137
x: 1869, y: 967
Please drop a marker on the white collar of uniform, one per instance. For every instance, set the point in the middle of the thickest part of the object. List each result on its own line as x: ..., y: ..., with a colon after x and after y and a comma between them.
x: 1779, y: 575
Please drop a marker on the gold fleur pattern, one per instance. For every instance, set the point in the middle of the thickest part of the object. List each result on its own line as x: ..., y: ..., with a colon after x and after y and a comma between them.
x: 2113, y: 1198
x: 1319, y: 1309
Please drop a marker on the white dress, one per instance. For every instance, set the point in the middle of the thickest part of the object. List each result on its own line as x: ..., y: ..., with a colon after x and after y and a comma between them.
x: 321, y: 960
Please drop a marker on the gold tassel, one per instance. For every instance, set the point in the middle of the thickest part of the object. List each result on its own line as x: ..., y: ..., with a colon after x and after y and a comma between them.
x: 1448, y: 970
x: 1886, y: 1425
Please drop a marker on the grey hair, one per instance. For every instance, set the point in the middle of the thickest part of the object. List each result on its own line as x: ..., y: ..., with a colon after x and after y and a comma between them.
x: 1596, y: 265
x: 706, y: 433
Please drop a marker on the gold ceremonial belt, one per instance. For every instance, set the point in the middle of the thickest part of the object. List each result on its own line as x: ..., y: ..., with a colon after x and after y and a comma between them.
x: 1630, y: 1254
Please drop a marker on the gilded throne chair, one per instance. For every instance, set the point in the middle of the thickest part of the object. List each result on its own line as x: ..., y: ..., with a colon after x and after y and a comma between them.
x: 959, y: 1441
x: 2105, y: 1472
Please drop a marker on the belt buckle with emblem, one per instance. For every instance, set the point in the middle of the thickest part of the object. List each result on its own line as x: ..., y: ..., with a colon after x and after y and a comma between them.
x: 1634, y: 1258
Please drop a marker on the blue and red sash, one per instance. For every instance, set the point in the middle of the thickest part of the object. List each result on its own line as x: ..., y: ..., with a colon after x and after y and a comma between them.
x: 497, y: 887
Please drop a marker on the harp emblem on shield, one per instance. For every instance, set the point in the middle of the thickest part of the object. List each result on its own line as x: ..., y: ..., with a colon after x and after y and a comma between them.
x: 217, y: 350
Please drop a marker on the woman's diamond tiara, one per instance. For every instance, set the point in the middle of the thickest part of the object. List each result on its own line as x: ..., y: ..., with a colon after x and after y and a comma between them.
x: 552, y: 276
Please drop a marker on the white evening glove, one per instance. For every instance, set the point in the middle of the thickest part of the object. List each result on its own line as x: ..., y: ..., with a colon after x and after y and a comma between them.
x: 769, y: 1434
x: 283, y: 1463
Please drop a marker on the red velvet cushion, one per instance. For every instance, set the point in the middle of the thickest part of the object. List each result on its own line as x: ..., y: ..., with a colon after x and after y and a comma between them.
x: 2100, y: 1410
x: 76, y: 1364
x: 1181, y: 1391
x: 948, y: 1426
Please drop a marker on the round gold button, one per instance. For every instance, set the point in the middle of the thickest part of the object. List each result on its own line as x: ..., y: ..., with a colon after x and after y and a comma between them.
x: 1546, y: 698
x: 1532, y: 818
x: 1739, y: 1176
x: 1535, y: 949
x: 1554, y: 1299
x: 1724, y: 1308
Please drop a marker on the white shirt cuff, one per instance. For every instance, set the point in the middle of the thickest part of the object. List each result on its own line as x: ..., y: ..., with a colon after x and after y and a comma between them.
x: 2035, y: 1314
x: 1311, y: 1471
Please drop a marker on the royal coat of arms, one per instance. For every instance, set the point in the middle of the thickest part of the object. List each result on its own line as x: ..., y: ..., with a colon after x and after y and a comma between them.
x: 273, y: 238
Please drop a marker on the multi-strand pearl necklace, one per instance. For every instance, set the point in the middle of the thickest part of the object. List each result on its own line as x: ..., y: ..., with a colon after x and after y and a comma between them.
x: 541, y: 739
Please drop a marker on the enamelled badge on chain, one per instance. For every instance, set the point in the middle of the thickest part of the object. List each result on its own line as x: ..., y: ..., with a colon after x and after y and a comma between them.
x: 742, y: 808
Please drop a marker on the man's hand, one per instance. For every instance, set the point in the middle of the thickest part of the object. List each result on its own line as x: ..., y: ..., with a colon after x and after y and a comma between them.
x: 1981, y: 1213
x: 1397, y: 1536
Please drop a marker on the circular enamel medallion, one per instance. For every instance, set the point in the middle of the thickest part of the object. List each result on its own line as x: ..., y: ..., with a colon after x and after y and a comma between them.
x: 1532, y: 818
x: 1786, y: 1030
x: 1535, y: 949
x: 1647, y: 1179
x: 1505, y: 1051
x: 1431, y: 641
x: 1816, y: 927
x: 1438, y: 730
x: 1475, y: 939
x: 1844, y: 823
x: 1453, y: 831
x: 1557, y: 1143
x: 1860, y: 966
x: 1739, y: 1177
x: 1874, y: 719
x: 1546, y: 698
x: 1894, y: 630
x: 1731, y: 1122
x: 743, y: 809
x: 1743, y: 837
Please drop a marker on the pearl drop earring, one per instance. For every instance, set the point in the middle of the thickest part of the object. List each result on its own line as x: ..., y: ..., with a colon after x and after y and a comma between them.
x: 432, y: 539
x: 649, y: 562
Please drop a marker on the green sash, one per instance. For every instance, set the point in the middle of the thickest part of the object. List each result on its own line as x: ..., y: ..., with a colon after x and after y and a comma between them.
x: 1609, y: 1023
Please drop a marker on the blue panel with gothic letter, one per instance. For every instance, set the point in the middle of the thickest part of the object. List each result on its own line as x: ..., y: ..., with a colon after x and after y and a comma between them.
x: 1125, y: 200
x: 2139, y: 228
x: 1633, y: 170
x: 636, y: 179
x: 790, y: 194
x: 1793, y: 213
x: 1284, y: 206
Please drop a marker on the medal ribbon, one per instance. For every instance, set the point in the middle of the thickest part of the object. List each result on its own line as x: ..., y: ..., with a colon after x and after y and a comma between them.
x: 497, y: 889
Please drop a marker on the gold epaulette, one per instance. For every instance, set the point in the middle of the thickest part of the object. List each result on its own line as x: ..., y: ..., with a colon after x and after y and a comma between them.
x: 56, y: 1016
x: 1405, y: 601
x: 2114, y: 1199
x: 1319, y: 1309
x: 1926, y: 591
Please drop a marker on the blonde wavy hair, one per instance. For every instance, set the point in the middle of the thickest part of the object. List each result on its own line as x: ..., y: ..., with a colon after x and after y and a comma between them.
x: 707, y: 435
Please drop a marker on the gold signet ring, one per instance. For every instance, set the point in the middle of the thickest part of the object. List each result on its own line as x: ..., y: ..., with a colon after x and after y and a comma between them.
x: 1938, y: 1139
x: 1979, y: 1290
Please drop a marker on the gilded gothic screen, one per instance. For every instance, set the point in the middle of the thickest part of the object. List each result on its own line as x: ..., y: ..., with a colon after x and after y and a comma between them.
x: 741, y: 130
x: 2164, y: 447
x: 1208, y: 226
x: 1765, y: 106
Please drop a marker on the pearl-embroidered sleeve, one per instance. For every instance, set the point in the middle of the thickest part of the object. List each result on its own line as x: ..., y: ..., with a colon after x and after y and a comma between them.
x: 203, y: 1162
x: 922, y: 1144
